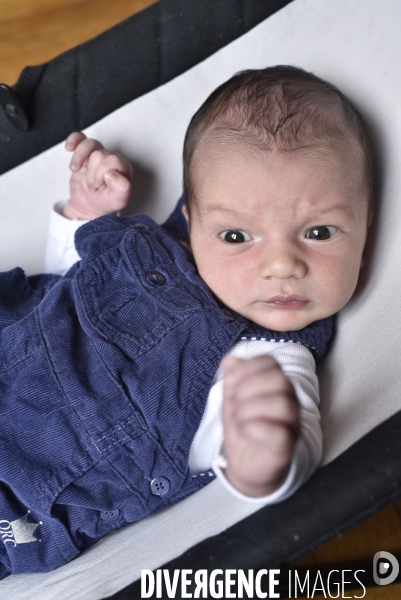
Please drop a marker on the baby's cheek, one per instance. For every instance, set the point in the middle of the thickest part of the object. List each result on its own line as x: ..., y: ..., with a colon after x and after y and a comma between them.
x: 209, y: 271
x: 340, y: 287
x: 226, y: 284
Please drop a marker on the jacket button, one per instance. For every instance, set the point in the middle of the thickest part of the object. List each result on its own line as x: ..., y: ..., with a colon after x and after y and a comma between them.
x: 109, y: 516
x: 141, y: 226
x: 13, y: 108
x: 156, y: 278
x: 159, y: 486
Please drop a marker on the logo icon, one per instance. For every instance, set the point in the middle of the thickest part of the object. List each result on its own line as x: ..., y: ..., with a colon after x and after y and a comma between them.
x: 385, y: 568
x: 18, y: 531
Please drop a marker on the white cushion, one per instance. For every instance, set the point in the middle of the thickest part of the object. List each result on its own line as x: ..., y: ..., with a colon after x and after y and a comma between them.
x: 354, y: 45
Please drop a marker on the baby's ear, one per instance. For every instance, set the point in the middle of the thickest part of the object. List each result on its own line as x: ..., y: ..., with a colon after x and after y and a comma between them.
x: 187, y: 243
x: 184, y: 210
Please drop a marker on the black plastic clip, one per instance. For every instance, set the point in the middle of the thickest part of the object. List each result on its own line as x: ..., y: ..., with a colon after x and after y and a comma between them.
x: 13, y: 108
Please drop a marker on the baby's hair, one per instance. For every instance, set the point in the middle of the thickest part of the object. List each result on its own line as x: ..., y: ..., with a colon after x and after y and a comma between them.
x: 283, y: 109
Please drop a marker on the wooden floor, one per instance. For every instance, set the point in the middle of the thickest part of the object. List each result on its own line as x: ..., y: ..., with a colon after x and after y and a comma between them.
x: 34, y: 31
x: 359, y: 545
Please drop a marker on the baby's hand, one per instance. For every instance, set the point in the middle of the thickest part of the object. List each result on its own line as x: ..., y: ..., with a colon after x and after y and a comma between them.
x: 100, y: 183
x: 261, y: 424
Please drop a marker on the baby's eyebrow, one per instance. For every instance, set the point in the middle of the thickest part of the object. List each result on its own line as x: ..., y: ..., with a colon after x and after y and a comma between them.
x: 220, y: 208
x: 343, y: 208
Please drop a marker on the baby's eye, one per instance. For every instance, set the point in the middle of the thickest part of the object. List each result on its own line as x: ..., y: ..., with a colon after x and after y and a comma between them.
x: 321, y: 232
x: 235, y: 236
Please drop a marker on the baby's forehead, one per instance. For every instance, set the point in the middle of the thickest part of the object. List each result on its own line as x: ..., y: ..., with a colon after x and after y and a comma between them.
x: 218, y: 149
x: 235, y: 180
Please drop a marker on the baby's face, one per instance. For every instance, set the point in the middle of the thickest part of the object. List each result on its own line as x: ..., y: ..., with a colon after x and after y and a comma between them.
x: 277, y: 239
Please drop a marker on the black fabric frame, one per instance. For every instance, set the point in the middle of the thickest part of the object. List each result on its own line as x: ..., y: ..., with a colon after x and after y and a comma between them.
x: 90, y: 81
x: 83, y: 85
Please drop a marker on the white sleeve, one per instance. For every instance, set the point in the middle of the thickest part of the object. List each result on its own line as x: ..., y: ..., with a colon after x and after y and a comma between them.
x: 298, y: 364
x: 60, y: 249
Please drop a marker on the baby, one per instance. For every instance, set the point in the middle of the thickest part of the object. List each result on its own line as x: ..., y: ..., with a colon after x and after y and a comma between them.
x: 116, y: 405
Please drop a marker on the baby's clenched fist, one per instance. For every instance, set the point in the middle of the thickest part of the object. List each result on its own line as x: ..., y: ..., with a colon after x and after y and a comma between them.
x: 261, y: 424
x: 100, y: 183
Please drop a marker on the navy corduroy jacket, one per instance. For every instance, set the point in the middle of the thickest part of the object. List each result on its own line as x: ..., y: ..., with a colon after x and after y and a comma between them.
x: 104, y: 376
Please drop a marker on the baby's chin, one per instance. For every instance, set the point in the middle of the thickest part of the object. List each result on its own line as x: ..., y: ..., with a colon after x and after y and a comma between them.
x: 284, y: 320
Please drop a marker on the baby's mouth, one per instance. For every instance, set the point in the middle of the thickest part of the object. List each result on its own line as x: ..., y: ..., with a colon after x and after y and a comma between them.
x: 291, y: 302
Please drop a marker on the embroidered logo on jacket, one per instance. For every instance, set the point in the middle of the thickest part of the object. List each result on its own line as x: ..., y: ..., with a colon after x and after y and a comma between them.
x: 18, y: 531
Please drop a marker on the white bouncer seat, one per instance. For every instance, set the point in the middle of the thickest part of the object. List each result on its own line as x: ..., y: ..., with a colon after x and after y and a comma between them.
x: 356, y: 47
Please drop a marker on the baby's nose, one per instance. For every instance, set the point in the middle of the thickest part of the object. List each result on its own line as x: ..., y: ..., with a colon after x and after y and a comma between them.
x: 282, y: 262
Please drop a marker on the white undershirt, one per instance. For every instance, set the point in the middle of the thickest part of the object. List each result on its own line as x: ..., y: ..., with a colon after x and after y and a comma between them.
x: 295, y: 360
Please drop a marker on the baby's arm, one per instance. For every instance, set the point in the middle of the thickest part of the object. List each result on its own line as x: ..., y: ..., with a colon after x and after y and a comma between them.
x: 100, y: 184
x: 298, y: 365
x: 261, y: 424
